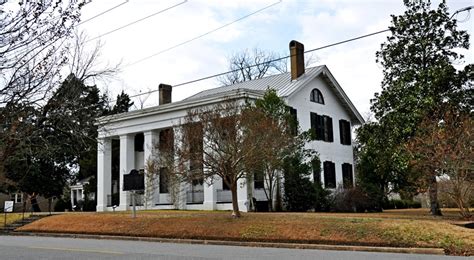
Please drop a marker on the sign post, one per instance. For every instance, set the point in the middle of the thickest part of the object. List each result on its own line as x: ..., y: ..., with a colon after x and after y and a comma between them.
x: 134, y: 181
x: 8, y: 207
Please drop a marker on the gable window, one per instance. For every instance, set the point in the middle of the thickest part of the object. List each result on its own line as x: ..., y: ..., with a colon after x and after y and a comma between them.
x: 316, y: 96
x: 329, y: 175
x: 322, y: 127
x: 345, y: 132
x: 347, y: 177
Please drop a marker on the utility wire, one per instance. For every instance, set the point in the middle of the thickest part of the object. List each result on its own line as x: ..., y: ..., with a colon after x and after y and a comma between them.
x: 137, y: 21
x: 200, y: 36
x: 102, y: 13
x: 258, y: 64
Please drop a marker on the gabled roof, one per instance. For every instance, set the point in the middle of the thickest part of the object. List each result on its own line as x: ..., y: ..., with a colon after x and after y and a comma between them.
x: 286, y: 87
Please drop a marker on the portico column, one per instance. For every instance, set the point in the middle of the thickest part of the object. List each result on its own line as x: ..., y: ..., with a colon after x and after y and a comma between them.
x: 150, y: 156
x: 210, y: 196
x: 127, y: 163
x: 242, y: 194
x: 104, y: 172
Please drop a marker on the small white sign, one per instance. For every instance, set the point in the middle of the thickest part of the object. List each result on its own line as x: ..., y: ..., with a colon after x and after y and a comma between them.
x: 8, y: 206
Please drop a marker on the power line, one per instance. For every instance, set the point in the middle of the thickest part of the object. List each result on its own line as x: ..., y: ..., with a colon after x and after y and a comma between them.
x: 202, y: 35
x: 102, y: 13
x: 258, y: 64
x: 137, y: 21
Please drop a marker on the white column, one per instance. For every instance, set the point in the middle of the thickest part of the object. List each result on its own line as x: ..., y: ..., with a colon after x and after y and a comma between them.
x: 104, y: 172
x: 242, y: 194
x: 150, y: 153
x: 210, y: 196
x: 127, y: 163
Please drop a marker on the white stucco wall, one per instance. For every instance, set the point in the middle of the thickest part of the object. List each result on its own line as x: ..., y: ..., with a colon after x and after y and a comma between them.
x: 328, y: 151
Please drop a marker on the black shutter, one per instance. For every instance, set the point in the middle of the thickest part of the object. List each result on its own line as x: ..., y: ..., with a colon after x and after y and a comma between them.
x: 326, y: 174
x: 348, y: 133
x: 342, y: 134
x: 332, y: 176
x: 329, y: 129
x: 320, y: 128
x: 314, y: 125
x: 347, y: 178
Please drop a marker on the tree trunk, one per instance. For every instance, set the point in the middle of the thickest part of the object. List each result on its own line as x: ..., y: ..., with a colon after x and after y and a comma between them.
x: 433, y: 192
x: 235, y: 204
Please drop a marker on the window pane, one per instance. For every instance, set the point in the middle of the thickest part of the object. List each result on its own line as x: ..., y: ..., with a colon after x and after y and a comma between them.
x: 347, y: 178
x: 329, y: 175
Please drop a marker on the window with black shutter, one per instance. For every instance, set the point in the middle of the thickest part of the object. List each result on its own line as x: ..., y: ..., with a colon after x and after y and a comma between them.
x: 345, y: 132
x: 347, y: 176
x: 321, y: 127
x: 329, y: 175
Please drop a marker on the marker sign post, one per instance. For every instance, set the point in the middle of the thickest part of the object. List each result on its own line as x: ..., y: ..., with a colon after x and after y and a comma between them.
x: 8, y: 207
x: 134, y: 181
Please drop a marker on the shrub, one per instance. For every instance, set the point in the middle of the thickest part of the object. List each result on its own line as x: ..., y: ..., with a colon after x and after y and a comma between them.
x: 89, y: 205
x: 322, y: 198
x: 61, y: 205
x: 401, y: 204
x: 351, y: 200
x: 299, y: 190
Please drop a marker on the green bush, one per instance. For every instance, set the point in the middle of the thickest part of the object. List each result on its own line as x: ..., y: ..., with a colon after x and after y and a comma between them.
x: 61, y: 205
x: 89, y: 205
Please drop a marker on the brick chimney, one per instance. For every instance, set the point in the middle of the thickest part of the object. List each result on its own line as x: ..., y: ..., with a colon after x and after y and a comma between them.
x: 164, y: 94
x: 297, y: 59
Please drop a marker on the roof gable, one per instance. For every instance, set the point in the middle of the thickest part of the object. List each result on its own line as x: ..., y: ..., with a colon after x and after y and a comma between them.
x: 286, y: 87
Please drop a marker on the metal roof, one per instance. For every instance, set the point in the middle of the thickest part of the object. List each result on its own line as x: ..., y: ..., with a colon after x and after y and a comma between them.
x: 282, y: 83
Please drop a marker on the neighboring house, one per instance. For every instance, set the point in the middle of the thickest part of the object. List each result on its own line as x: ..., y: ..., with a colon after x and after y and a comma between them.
x: 22, y: 202
x: 78, y: 195
x: 127, y: 140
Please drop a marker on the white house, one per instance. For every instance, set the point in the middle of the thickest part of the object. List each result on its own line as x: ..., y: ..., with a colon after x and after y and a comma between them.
x: 127, y: 140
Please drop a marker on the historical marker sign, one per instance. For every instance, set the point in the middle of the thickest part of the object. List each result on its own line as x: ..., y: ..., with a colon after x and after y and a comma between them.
x: 8, y: 206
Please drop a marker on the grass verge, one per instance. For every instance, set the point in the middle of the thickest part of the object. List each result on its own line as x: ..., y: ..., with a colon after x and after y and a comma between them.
x: 391, y: 228
x: 11, y: 217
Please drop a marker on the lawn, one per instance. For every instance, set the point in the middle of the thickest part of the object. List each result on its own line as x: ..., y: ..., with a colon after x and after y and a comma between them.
x: 398, y: 228
x: 11, y: 217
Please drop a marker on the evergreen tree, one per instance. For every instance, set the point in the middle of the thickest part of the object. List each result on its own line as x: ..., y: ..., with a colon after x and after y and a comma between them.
x: 419, y: 77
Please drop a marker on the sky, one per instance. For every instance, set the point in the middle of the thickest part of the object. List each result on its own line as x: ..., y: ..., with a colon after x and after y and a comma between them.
x: 313, y: 23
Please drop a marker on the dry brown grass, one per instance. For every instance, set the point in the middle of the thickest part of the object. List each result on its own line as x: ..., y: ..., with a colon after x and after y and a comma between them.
x: 399, y: 228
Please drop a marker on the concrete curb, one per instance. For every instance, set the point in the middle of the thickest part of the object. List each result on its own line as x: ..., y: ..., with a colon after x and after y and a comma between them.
x: 405, y: 250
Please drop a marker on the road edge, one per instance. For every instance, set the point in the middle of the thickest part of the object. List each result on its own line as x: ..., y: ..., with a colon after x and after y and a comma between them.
x: 405, y: 250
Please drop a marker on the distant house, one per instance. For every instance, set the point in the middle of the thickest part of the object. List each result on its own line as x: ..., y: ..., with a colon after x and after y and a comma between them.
x: 318, y: 101
x: 22, y: 202
x: 77, y: 193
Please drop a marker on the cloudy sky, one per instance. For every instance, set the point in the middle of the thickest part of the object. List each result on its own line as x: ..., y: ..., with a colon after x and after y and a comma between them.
x: 314, y: 23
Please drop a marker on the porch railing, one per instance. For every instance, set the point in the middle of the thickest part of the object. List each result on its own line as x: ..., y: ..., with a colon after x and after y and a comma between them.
x: 194, y: 197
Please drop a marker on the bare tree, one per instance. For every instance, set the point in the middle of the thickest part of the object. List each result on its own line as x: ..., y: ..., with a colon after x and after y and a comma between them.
x: 255, y: 64
x: 221, y: 129
x: 32, y: 46
x: 444, y: 149
x: 85, y: 64
x: 249, y: 65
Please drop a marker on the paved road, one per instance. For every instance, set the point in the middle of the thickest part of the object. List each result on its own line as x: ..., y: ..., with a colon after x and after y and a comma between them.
x: 13, y: 247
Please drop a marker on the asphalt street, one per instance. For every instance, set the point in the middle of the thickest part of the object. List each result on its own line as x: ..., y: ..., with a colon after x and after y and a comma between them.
x: 25, y: 247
